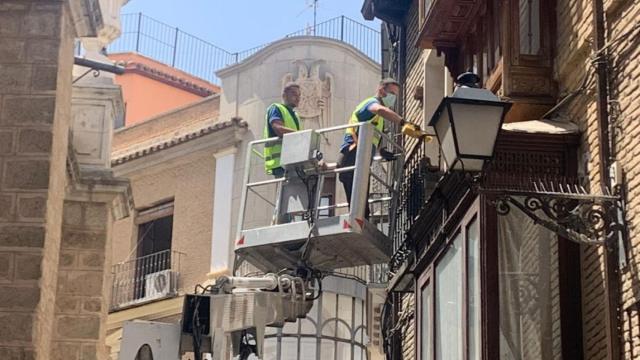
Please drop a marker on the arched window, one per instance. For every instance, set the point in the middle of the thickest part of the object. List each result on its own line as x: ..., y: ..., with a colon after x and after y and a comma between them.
x: 144, y: 353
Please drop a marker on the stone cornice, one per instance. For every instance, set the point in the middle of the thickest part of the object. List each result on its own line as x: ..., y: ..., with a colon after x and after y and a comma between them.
x: 148, y: 311
x: 172, y: 80
x: 87, y: 17
x: 276, y: 46
x: 98, y: 186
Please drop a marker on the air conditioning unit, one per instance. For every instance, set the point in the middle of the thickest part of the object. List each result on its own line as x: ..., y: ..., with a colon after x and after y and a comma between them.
x: 160, y: 284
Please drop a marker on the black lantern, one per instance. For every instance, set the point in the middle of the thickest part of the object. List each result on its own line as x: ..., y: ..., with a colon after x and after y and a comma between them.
x: 467, y: 125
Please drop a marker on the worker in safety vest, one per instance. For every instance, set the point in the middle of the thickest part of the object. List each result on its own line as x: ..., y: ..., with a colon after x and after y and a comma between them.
x: 374, y: 109
x: 280, y: 119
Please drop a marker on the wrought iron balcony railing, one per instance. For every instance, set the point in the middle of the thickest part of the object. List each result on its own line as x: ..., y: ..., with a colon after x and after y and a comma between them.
x: 144, y: 279
x: 418, y: 182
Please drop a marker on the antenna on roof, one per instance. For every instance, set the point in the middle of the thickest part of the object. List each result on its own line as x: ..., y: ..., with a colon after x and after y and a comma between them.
x: 315, y: 10
x: 311, y: 4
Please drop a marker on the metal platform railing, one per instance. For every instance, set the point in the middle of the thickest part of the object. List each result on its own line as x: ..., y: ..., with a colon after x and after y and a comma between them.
x: 258, y: 186
x: 259, y: 202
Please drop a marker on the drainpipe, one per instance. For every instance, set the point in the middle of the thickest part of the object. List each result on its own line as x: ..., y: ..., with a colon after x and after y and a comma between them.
x: 612, y: 278
x: 402, y: 66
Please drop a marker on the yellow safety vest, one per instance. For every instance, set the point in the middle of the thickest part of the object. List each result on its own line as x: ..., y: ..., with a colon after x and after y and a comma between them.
x: 273, y: 149
x: 377, y: 120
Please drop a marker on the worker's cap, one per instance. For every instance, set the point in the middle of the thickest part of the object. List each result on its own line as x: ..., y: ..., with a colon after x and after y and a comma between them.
x: 389, y: 81
x: 289, y: 86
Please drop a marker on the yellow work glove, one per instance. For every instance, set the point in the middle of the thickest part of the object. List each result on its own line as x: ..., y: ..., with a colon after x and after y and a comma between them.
x: 414, y: 131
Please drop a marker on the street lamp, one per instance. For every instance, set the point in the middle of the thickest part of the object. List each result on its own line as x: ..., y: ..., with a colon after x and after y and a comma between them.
x: 467, y: 124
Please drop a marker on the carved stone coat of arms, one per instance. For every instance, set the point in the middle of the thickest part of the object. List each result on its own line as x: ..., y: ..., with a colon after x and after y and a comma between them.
x: 315, y: 93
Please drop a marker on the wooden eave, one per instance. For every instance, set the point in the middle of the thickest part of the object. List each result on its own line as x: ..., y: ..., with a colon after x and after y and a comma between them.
x: 391, y: 11
x: 447, y: 22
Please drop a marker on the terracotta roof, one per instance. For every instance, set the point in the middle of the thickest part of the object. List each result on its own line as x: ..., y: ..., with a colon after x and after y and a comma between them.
x: 145, y: 66
x: 167, y: 78
x: 151, y: 149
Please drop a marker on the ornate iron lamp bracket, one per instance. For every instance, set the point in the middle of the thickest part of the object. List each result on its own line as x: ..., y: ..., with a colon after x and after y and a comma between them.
x: 583, y: 218
x: 95, y: 67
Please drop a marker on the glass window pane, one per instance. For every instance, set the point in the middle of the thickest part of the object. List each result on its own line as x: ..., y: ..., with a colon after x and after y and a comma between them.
x: 345, y: 311
x: 473, y: 282
x: 448, y: 299
x: 329, y: 311
x: 529, y: 289
x: 327, y: 350
x: 425, y: 323
x: 529, y: 27
x: 271, y: 348
x: 307, y: 348
x: 289, y: 349
x: 343, y: 351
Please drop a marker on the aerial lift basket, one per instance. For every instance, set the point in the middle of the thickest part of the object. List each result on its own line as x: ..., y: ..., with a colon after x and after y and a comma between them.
x: 323, y: 243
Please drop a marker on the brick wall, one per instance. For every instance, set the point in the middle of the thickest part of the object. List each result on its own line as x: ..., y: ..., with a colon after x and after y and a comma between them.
x: 625, y: 89
x: 573, y: 48
x: 188, y: 180
x: 408, y: 329
x: 412, y: 112
x: 414, y: 67
x: 35, y: 98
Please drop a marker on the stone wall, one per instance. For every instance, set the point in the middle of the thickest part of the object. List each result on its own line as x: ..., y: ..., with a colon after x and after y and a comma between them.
x: 36, y: 58
x: 81, y: 299
x: 37, y: 285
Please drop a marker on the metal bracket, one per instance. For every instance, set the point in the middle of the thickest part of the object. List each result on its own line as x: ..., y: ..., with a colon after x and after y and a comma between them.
x: 95, y: 67
x: 96, y: 73
x: 580, y: 217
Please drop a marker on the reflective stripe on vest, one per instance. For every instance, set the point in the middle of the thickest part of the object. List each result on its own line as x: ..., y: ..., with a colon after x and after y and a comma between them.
x: 377, y: 120
x: 273, y: 149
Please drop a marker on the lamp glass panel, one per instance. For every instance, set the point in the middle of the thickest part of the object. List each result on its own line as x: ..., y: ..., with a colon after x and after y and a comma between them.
x: 476, y: 128
x: 445, y: 136
x: 469, y: 164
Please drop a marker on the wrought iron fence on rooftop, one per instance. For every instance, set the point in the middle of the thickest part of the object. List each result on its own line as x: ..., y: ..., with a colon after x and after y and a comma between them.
x: 174, y: 47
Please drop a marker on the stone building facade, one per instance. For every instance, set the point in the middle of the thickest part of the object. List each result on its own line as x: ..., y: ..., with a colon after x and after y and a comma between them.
x: 57, y: 195
x: 174, y: 163
x: 562, y: 84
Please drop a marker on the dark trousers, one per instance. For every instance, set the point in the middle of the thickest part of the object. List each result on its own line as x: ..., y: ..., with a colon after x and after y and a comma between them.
x: 348, y: 158
x: 277, y: 172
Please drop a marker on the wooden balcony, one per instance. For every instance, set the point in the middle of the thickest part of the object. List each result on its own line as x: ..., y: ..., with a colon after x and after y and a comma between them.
x: 445, y: 22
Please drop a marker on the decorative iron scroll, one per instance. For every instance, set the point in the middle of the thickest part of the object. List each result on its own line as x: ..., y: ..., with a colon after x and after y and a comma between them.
x: 583, y: 218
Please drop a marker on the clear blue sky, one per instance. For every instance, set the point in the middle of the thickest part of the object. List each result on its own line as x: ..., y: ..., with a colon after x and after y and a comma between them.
x: 237, y: 25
